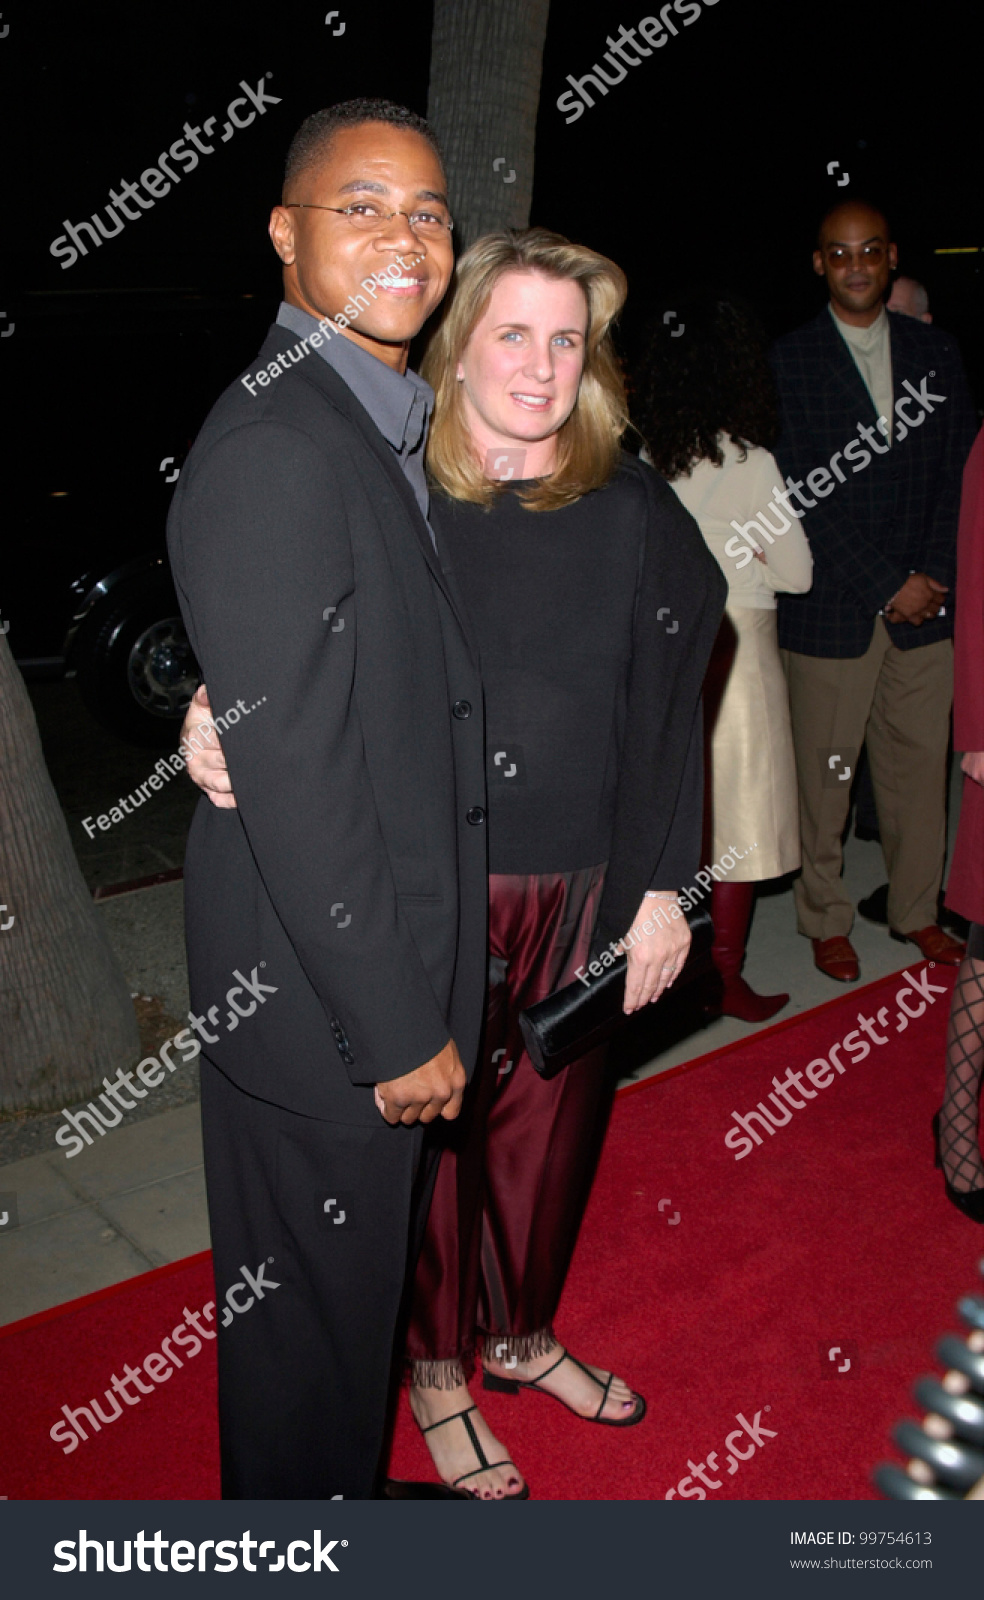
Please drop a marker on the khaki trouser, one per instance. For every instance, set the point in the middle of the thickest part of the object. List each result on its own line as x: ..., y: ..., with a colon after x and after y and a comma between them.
x: 898, y: 701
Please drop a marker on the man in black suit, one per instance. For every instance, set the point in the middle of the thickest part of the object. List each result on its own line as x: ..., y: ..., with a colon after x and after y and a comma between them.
x: 876, y: 419
x: 345, y: 896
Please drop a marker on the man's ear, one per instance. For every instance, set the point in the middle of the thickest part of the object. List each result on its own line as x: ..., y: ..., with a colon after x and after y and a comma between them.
x: 818, y: 263
x: 281, y: 232
x: 893, y: 257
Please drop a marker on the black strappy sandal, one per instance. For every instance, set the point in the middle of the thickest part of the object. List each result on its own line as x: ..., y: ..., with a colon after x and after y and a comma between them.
x: 491, y: 1380
x: 486, y: 1466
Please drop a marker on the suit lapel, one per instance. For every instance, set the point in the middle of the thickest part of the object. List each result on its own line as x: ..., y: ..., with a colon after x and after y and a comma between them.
x: 903, y: 363
x: 841, y: 366
x: 340, y: 395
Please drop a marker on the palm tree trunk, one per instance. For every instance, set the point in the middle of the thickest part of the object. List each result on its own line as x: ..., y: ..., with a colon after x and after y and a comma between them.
x: 486, y: 57
x: 66, y: 1017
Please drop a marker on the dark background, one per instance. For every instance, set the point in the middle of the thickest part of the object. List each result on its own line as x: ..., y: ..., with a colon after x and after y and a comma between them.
x: 707, y: 163
x: 705, y: 166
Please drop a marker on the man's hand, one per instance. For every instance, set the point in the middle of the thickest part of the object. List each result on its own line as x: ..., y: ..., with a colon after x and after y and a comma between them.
x: 207, y: 766
x: 655, y: 959
x: 973, y: 765
x: 918, y: 600
x: 433, y: 1090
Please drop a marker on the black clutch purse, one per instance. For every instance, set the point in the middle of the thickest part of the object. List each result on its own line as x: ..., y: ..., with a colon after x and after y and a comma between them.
x: 568, y: 1024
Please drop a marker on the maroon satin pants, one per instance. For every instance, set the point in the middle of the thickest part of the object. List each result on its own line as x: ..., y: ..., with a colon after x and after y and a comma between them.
x: 516, y: 1166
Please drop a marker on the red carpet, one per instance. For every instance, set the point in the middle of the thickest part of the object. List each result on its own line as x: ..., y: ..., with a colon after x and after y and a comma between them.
x: 834, y: 1231
x: 165, y: 1446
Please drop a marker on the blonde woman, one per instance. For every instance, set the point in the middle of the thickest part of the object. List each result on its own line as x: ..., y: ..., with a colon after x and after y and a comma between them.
x: 593, y: 603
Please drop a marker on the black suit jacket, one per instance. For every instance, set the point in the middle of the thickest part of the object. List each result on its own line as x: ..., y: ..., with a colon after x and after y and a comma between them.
x: 893, y: 515
x: 311, y: 592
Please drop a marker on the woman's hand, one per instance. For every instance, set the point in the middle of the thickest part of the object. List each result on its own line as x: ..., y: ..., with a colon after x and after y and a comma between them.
x: 656, y: 958
x: 207, y: 764
x: 973, y: 765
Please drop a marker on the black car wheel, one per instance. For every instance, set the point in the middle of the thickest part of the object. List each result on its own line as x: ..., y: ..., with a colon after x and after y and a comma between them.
x: 135, y: 667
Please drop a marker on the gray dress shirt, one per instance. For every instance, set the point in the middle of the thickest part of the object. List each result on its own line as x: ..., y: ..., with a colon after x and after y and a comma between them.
x: 399, y: 404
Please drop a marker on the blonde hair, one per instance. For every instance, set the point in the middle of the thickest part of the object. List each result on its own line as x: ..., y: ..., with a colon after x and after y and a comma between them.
x: 588, y: 441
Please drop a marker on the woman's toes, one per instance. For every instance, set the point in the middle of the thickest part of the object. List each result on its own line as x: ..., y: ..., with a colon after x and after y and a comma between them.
x: 621, y: 1401
x: 496, y: 1490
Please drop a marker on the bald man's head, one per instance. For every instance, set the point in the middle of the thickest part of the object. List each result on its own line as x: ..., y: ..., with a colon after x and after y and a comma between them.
x: 856, y: 256
x: 910, y: 298
x: 843, y: 212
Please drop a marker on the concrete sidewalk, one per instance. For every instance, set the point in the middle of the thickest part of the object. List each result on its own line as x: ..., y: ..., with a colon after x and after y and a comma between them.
x: 131, y: 1202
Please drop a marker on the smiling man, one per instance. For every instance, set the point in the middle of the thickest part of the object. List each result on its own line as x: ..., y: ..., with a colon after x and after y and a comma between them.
x: 876, y: 424
x: 353, y: 869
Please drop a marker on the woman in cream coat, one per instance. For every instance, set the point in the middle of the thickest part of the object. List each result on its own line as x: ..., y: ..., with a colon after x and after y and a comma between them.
x: 706, y: 407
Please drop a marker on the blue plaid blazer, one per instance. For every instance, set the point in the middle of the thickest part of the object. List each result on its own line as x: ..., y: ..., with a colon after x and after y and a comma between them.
x: 895, y: 514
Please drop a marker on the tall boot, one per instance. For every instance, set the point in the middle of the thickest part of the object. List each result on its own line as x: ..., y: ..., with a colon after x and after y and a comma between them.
x: 731, y: 912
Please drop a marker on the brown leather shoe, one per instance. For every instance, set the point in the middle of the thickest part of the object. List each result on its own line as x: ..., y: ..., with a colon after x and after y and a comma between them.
x: 934, y: 944
x: 836, y: 957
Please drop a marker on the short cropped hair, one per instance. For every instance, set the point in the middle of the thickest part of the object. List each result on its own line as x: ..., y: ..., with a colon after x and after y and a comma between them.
x: 311, y: 142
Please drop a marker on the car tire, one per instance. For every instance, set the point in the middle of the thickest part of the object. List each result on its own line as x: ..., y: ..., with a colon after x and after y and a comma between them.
x: 134, y: 664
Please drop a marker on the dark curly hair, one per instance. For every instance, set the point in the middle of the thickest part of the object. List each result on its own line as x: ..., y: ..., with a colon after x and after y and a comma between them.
x: 710, y: 378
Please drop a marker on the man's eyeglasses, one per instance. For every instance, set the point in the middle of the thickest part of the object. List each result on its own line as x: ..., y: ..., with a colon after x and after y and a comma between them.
x: 872, y: 254
x: 431, y: 223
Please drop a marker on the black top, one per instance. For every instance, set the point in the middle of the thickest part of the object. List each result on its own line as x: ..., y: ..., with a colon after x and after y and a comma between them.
x: 550, y: 596
x: 561, y: 608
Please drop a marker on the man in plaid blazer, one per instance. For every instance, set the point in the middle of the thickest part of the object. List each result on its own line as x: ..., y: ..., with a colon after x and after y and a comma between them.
x: 876, y: 424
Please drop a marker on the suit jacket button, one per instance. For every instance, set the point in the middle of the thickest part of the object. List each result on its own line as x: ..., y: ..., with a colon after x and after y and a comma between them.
x: 475, y: 815
x: 462, y: 709
x: 348, y: 1058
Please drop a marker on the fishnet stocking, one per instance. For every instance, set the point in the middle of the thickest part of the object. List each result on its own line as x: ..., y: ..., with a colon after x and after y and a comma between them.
x: 960, y: 1114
